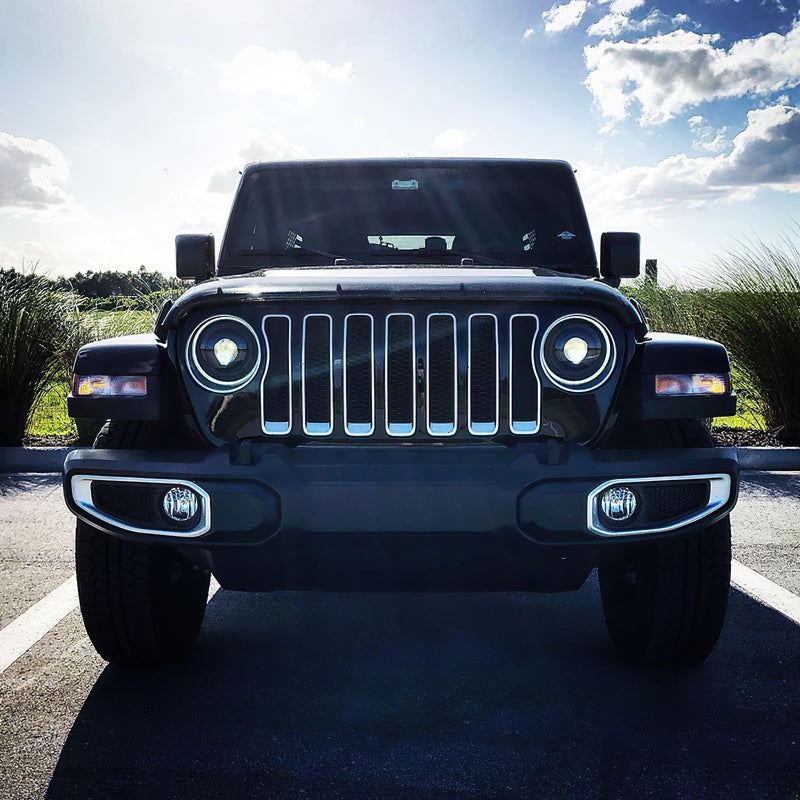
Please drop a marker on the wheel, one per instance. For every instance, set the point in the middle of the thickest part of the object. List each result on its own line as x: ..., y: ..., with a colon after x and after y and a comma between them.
x: 665, y: 602
x: 142, y: 605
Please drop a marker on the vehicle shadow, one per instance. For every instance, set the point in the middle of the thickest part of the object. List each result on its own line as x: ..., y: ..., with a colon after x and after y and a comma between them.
x: 14, y: 483
x: 772, y: 484
x: 440, y: 696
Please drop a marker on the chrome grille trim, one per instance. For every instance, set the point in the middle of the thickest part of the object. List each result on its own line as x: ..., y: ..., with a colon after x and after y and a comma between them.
x: 317, y: 427
x: 518, y: 422
x: 326, y: 374
x: 402, y: 427
x: 482, y: 427
x: 358, y: 428
x: 449, y: 425
x: 276, y: 424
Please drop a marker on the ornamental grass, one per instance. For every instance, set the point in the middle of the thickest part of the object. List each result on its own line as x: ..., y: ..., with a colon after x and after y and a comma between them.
x: 756, y: 314
x: 40, y: 328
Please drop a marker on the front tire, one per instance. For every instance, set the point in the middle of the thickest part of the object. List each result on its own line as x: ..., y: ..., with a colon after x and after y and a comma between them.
x: 665, y: 602
x: 142, y: 604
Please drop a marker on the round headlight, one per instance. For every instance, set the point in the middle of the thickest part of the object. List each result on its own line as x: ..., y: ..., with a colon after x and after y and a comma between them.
x: 223, y: 353
x: 577, y: 353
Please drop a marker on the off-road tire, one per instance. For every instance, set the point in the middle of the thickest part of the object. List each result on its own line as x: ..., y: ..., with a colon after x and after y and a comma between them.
x: 142, y: 605
x: 665, y: 602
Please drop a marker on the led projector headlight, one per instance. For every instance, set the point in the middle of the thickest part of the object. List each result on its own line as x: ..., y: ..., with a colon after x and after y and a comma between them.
x: 223, y: 353
x: 577, y: 353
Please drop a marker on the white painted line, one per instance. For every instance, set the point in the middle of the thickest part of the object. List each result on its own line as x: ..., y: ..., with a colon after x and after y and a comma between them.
x: 764, y: 590
x: 20, y: 635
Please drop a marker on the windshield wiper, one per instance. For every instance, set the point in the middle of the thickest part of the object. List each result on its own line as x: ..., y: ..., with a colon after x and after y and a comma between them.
x: 303, y: 251
x: 478, y: 258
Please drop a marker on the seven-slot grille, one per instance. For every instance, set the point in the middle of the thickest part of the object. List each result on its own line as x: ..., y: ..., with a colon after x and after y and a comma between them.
x: 400, y: 374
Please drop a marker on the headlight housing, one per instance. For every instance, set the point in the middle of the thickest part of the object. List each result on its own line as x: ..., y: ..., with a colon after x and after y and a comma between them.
x: 223, y: 353
x: 577, y: 353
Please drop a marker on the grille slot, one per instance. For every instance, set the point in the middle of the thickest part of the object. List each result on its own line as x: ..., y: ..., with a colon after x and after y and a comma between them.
x: 277, y: 388
x: 524, y: 389
x: 401, y: 377
x: 318, y: 375
x: 367, y: 374
x: 484, y: 380
x: 442, y: 388
x: 359, y: 375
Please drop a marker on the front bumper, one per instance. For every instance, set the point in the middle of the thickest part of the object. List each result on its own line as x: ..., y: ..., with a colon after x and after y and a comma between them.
x: 259, y: 498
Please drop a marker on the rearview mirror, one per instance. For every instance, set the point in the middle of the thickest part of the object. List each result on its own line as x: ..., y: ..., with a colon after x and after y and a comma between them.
x: 619, y: 255
x: 194, y: 256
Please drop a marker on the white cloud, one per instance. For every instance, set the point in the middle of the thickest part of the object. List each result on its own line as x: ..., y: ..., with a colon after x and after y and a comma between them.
x: 33, y: 174
x: 453, y: 140
x: 528, y: 33
x: 255, y: 146
x: 619, y: 20
x: 559, y: 18
x: 283, y: 72
x: 765, y: 154
x: 706, y: 136
x: 666, y: 74
x: 625, y: 6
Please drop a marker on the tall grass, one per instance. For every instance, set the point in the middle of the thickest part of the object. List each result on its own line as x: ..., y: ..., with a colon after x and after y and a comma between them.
x: 672, y: 309
x: 39, y: 327
x: 756, y: 314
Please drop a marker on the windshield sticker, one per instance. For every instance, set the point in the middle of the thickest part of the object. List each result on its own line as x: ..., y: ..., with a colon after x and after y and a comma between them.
x: 529, y: 239
x: 566, y: 236
x: 405, y: 185
x: 293, y: 240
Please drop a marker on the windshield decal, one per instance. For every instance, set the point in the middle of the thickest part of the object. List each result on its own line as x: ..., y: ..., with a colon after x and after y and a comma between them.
x: 565, y: 236
x: 529, y: 239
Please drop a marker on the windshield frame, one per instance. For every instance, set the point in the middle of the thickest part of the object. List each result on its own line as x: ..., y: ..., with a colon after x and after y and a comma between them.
x: 482, y: 172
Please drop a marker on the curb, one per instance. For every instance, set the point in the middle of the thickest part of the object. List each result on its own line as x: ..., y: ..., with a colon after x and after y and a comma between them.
x: 34, y: 459
x: 777, y: 459
x: 51, y: 459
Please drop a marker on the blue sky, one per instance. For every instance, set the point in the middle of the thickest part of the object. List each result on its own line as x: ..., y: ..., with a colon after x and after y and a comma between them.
x: 123, y: 123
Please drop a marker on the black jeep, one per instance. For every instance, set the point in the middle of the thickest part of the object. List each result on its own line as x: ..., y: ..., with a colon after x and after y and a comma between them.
x: 403, y: 375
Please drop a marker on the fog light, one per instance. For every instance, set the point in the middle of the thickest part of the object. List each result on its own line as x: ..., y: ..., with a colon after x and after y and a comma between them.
x: 180, y: 504
x: 618, y: 503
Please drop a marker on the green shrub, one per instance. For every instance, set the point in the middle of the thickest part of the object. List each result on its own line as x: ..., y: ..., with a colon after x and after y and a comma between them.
x: 39, y: 326
x: 756, y: 313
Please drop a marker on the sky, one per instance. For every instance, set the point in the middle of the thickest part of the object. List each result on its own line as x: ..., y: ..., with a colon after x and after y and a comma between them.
x: 125, y: 123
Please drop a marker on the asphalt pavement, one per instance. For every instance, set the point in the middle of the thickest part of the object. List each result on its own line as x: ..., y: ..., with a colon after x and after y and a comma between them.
x: 302, y: 695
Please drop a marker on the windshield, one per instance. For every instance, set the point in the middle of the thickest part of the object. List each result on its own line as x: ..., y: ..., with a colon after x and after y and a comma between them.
x: 505, y: 213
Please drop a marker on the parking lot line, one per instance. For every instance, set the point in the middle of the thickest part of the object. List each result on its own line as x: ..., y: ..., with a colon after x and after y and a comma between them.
x: 21, y: 634
x: 765, y: 591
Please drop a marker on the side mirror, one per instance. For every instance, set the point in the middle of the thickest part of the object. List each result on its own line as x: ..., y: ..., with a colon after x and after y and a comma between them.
x: 619, y: 255
x: 194, y: 256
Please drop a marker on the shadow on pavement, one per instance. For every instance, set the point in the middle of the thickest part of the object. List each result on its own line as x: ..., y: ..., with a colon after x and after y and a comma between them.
x: 440, y: 696
x: 774, y: 484
x: 14, y: 483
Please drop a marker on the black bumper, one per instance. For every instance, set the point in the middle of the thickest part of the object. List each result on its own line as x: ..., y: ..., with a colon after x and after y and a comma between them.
x: 275, y: 517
